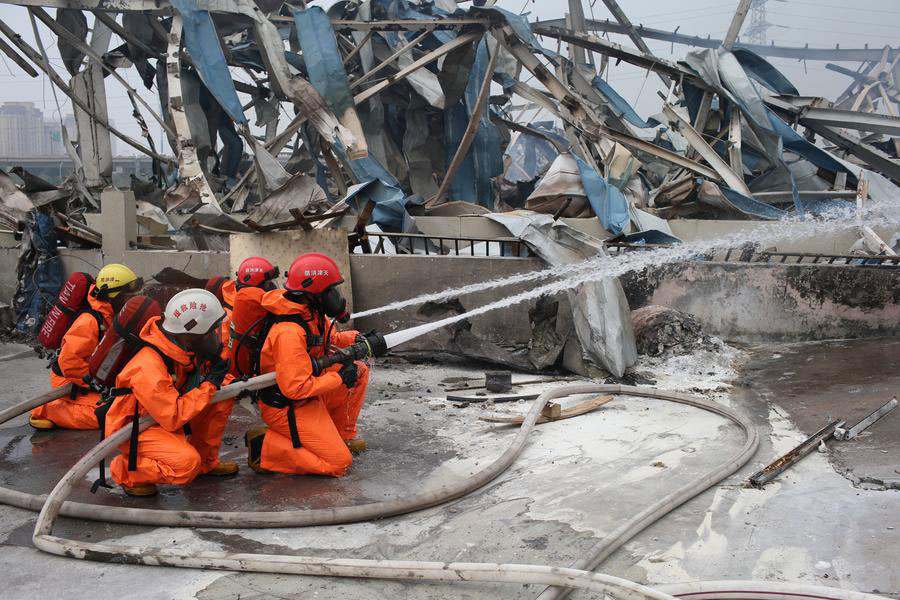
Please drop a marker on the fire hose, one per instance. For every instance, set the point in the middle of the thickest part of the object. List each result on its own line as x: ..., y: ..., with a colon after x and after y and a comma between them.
x: 55, y: 505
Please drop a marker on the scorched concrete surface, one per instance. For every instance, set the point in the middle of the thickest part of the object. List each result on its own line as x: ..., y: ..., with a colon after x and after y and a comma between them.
x: 576, y: 480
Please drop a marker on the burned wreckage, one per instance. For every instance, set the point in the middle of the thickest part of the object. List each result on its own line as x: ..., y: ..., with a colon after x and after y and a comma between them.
x: 378, y: 112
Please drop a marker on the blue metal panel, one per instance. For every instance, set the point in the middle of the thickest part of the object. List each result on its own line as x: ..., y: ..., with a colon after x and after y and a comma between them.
x: 202, y: 42
x: 323, y: 60
x: 607, y: 201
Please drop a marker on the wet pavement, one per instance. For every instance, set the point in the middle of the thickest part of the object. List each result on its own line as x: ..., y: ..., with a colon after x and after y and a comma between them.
x: 576, y: 481
x: 840, y: 379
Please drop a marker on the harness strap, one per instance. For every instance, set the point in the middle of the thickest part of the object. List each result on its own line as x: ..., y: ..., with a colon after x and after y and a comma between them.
x: 133, y: 443
x: 103, y: 406
x: 292, y: 426
x: 273, y: 397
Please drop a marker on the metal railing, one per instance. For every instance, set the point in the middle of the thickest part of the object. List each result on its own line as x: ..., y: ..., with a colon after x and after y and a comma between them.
x: 749, y: 254
x: 442, y: 245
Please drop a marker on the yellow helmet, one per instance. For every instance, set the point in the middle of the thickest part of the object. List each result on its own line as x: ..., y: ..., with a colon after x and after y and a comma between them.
x: 114, y: 279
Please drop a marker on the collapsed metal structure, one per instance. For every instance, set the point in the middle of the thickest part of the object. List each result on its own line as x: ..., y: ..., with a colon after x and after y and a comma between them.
x: 385, y: 109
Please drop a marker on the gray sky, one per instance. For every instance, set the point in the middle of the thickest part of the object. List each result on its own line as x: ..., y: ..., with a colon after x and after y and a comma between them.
x: 795, y: 23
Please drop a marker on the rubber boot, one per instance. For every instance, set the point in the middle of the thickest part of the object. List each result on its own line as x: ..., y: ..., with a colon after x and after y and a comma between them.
x: 141, y: 491
x: 42, y: 424
x: 253, y: 440
x: 223, y: 469
x: 356, y: 445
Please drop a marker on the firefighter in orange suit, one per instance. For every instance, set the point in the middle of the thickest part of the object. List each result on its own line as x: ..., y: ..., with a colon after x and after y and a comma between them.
x: 224, y: 290
x: 115, y: 284
x: 255, y: 276
x: 168, y: 380
x: 311, y: 415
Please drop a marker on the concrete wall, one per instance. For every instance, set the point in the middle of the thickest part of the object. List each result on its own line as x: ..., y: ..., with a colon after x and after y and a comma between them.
x: 759, y: 302
x: 380, y: 280
x: 145, y: 263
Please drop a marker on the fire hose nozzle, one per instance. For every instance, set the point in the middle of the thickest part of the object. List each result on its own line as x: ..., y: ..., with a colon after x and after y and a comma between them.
x: 358, y: 351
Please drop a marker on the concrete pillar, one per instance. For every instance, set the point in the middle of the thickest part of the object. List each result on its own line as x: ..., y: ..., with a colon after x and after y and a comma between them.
x: 117, y: 223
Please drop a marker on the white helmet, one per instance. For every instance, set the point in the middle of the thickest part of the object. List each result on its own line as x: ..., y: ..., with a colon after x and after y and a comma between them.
x: 192, y: 311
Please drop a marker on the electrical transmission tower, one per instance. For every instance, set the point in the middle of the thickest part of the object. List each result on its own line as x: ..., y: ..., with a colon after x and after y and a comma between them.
x: 756, y: 30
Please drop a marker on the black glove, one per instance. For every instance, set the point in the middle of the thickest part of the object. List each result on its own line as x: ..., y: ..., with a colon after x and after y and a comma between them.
x: 217, y: 372
x: 349, y: 374
x: 376, y: 343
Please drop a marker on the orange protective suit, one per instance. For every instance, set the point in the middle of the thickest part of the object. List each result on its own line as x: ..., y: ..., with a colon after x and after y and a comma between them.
x: 72, y: 365
x: 228, y: 294
x: 247, y: 311
x: 164, y: 453
x: 327, y: 414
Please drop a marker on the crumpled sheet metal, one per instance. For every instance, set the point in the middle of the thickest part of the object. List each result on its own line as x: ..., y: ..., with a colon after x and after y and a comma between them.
x: 203, y: 45
x: 619, y: 105
x: 295, y: 88
x: 600, y: 310
x: 326, y: 70
x: 299, y: 193
x: 570, y: 176
x: 11, y: 196
x: 484, y: 160
x: 561, y: 179
x: 733, y: 202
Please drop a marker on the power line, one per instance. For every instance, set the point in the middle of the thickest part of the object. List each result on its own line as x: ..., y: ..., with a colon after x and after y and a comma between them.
x: 781, y: 14
x: 820, y: 5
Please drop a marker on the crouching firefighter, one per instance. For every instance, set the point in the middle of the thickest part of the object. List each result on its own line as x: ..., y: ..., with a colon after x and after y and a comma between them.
x: 321, y: 380
x: 115, y: 284
x: 172, y: 378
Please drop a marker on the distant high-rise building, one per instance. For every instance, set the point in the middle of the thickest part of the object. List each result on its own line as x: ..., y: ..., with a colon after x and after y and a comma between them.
x: 21, y: 129
x: 25, y: 133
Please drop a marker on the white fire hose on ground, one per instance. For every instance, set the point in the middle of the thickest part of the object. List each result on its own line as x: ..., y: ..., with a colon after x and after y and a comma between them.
x: 561, y: 579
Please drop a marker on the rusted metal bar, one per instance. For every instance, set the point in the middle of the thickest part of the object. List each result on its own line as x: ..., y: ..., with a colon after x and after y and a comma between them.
x: 773, y: 470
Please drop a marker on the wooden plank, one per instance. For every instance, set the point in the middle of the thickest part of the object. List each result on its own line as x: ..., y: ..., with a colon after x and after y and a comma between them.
x: 566, y: 413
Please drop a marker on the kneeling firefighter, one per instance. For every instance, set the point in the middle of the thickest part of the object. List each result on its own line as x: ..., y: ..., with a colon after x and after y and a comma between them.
x: 321, y: 381
x: 115, y: 284
x: 172, y: 379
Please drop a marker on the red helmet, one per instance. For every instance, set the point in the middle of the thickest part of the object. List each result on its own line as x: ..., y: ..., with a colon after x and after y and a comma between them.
x: 312, y: 273
x: 255, y: 271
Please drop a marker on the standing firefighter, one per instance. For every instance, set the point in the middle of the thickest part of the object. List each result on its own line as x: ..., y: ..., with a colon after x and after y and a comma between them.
x: 311, y: 413
x: 172, y: 379
x: 114, y: 285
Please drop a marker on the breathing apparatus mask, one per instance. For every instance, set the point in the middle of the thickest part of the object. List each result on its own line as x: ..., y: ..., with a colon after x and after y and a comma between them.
x: 334, y: 305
